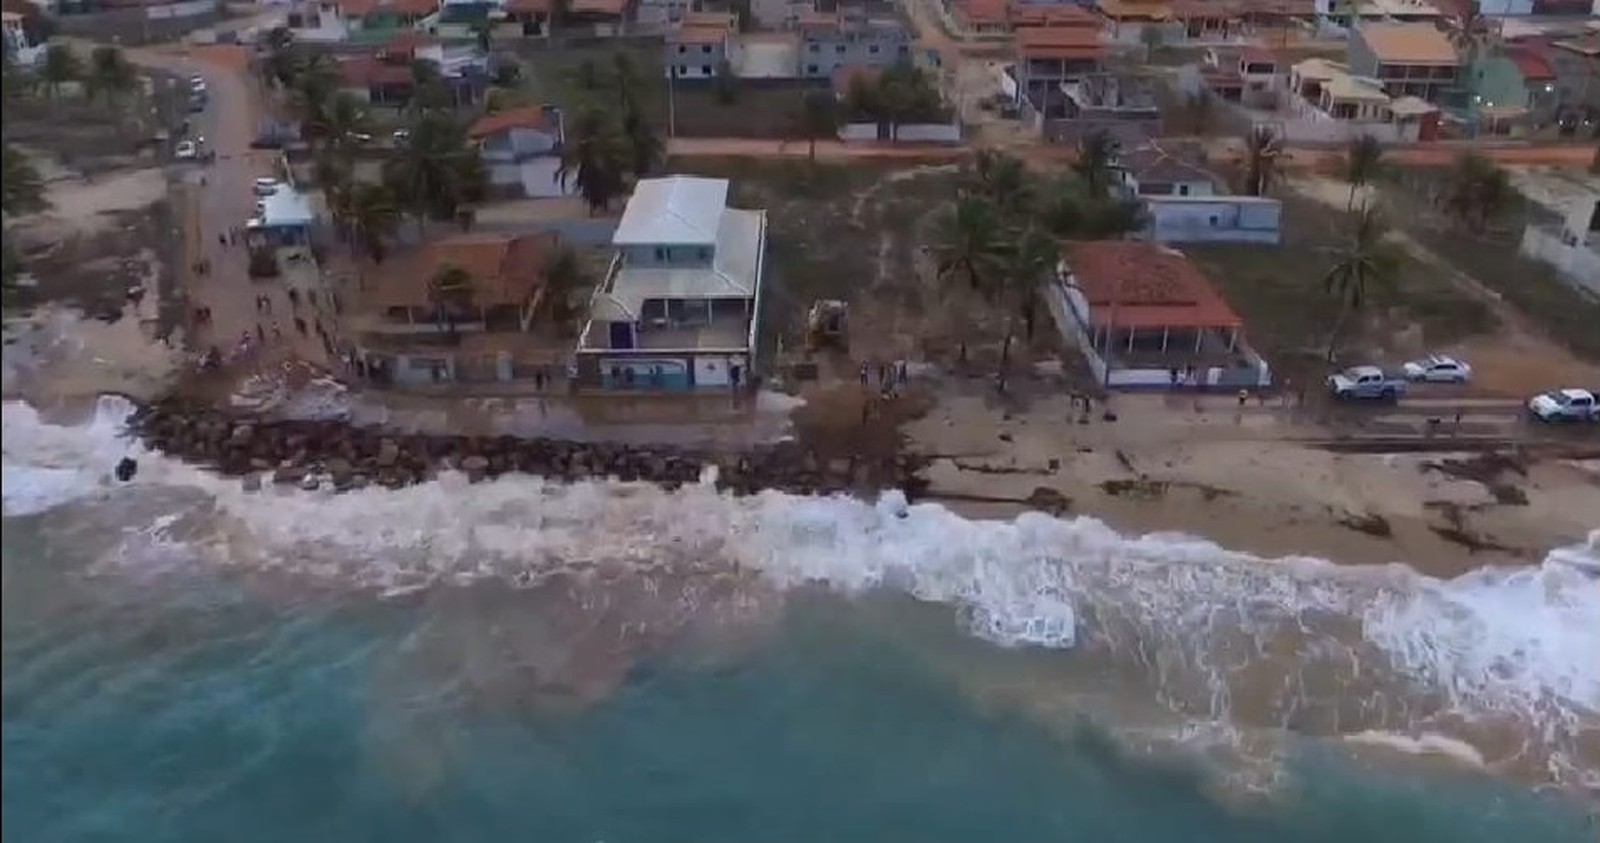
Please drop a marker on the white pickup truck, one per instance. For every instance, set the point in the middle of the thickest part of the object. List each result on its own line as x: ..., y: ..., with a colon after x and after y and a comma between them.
x: 1564, y: 405
x: 1365, y: 383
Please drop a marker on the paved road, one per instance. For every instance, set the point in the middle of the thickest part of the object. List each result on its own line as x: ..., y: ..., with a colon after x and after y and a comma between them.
x: 220, y: 200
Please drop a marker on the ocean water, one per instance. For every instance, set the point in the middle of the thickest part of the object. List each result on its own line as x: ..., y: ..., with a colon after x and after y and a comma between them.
x: 183, y: 660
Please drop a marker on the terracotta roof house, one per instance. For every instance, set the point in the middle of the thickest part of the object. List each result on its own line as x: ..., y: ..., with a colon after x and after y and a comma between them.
x: 982, y: 16
x: 409, y: 331
x: 1407, y: 59
x: 383, y: 74
x: 1147, y: 317
x: 1047, y: 56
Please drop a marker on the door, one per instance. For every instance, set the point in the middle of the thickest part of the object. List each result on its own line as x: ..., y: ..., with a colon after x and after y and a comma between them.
x: 621, y: 334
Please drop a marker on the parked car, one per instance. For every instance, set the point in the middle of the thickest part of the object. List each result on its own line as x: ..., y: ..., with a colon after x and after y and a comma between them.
x: 265, y: 186
x: 186, y: 150
x: 1564, y: 405
x: 1437, y: 368
x: 1365, y: 383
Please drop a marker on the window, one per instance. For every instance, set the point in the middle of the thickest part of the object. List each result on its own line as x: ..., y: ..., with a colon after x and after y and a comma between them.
x: 872, y: 48
x: 811, y: 69
x: 838, y: 48
x: 812, y: 47
x: 1213, y: 220
x: 661, y: 254
x: 705, y: 70
x: 706, y: 49
x: 682, y: 49
x: 1183, y: 190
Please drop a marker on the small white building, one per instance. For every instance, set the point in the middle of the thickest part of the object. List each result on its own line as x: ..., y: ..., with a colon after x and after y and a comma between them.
x: 521, y: 148
x: 679, y: 308
x: 1183, y: 201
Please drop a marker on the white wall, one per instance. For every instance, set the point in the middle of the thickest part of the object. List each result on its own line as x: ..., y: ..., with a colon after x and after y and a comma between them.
x: 1248, y: 220
x: 1577, y: 263
x: 538, y: 177
x: 1496, y: 8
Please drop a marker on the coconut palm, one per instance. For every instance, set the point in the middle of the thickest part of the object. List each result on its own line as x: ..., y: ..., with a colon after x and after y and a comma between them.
x: 1262, y: 149
x: 818, y: 118
x: 1363, y: 164
x: 1479, y: 191
x: 373, y: 219
x: 595, y: 159
x: 1362, y: 261
x: 1097, y: 155
x: 281, y: 63
x: 564, y: 280
x: 429, y: 89
x: 341, y: 123
x: 437, y: 172
x: 968, y: 243
x: 312, y: 88
x: 1028, y: 258
x: 110, y: 75
x: 1001, y: 178
x: 645, y: 149
x: 61, y: 65
x: 450, y: 294
x: 1471, y: 32
x: 22, y: 186
x: 625, y: 78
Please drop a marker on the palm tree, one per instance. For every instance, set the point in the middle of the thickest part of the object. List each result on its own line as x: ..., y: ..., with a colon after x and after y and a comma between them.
x: 587, y: 75
x: 1001, y: 178
x: 437, y: 171
x: 483, y: 31
x: 61, y: 65
x: 1363, y: 164
x: 1470, y: 31
x: 450, y: 294
x: 564, y: 280
x: 595, y: 158
x: 341, y: 122
x: 281, y: 64
x: 645, y: 149
x: 1027, y: 260
x: 968, y: 242
x: 1097, y: 154
x: 311, y: 89
x: 625, y: 76
x: 374, y: 219
x: 110, y: 75
x: 1363, y: 260
x: 819, y: 118
x: 429, y: 90
x: 1479, y: 191
x: 22, y: 186
x: 1262, y: 148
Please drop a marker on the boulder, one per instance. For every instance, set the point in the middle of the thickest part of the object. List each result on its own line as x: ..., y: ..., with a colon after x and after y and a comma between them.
x: 475, y: 467
x: 1046, y: 499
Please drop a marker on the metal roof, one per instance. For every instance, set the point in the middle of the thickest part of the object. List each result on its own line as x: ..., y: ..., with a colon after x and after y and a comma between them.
x: 677, y: 210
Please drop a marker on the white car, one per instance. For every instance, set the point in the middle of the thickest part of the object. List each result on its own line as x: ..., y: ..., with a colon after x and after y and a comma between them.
x: 265, y: 186
x: 1437, y: 368
x: 197, y: 83
x: 186, y: 151
x: 1565, y: 405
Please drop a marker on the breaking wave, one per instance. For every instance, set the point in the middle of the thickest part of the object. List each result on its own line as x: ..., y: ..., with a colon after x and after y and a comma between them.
x: 1499, y: 664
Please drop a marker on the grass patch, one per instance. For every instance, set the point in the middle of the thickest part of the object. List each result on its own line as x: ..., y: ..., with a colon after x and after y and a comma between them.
x: 1493, y: 259
x: 1288, y: 314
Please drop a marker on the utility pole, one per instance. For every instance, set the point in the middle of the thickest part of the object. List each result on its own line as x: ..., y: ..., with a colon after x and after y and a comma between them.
x: 672, y: 105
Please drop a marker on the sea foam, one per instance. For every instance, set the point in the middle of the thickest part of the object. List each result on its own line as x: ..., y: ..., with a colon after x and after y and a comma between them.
x: 1521, y: 643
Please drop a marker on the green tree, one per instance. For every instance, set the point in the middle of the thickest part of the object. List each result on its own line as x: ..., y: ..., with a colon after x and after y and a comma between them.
x: 564, y: 281
x: 342, y: 123
x: 727, y: 83
x: 1262, y: 149
x: 281, y: 62
x: 1471, y: 33
x: 595, y: 159
x: 1002, y: 179
x: 110, y: 75
x: 1097, y: 157
x: 968, y: 241
x: 437, y: 172
x: 23, y: 188
x: 450, y: 295
x: 741, y: 14
x: 429, y: 90
x: 1028, y: 259
x: 587, y: 75
x: 819, y: 118
x: 645, y: 149
x: 1479, y: 191
x: 61, y: 66
x: 1362, y: 261
x: 374, y: 219
x: 1363, y: 165
x: 625, y: 81
x: 311, y: 89
x: 483, y: 33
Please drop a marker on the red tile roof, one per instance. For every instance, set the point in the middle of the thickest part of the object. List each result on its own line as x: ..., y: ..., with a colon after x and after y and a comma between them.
x: 982, y: 12
x: 414, y: 8
x: 524, y: 7
x: 1531, y: 65
x: 1053, y: 14
x: 1135, y: 284
x: 527, y: 117
x: 606, y: 8
x: 504, y: 270
x: 366, y: 71
x: 1059, y: 42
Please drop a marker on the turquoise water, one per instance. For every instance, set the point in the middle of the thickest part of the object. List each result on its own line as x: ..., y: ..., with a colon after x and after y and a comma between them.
x: 185, y: 707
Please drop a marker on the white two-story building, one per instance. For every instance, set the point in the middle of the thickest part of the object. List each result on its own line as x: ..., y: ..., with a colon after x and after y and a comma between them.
x: 678, y: 309
x: 521, y: 149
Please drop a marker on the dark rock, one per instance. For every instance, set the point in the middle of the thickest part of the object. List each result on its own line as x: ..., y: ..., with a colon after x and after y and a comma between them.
x: 476, y: 467
x: 289, y: 474
x: 1046, y: 499
x: 126, y: 468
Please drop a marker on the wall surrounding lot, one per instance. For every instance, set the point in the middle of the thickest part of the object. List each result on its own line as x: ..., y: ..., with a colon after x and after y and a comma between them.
x: 907, y: 133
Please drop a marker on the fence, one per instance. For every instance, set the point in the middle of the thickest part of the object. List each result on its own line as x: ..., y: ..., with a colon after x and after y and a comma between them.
x: 905, y: 133
x: 1578, y: 264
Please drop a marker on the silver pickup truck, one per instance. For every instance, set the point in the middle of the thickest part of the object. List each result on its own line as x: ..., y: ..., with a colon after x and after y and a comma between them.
x: 1365, y: 383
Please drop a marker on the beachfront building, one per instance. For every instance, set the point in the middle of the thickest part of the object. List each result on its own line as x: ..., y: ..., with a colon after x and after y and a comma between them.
x: 1329, y: 104
x: 521, y: 149
x: 1182, y: 201
x: 1140, y: 311
x: 1405, y: 59
x: 698, y: 46
x: 335, y: 21
x: 678, y: 309
x: 414, y: 328
x: 382, y: 75
x: 1049, y: 56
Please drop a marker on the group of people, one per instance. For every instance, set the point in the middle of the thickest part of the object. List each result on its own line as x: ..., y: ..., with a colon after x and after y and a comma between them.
x: 891, y: 377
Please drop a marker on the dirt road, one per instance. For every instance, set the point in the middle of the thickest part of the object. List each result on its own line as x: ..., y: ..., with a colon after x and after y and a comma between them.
x: 220, y: 200
x: 826, y: 150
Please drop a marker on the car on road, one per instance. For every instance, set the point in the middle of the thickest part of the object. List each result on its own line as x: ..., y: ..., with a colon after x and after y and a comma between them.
x: 1365, y: 383
x: 1437, y: 368
x: 1564, y: 405
x: 186, y: 150
x: 197, y: 83
x: 265, y: 186
x: 401, y: 136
